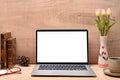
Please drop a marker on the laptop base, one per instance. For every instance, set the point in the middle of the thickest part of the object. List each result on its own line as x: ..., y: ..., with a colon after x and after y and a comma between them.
x: 62, y: 73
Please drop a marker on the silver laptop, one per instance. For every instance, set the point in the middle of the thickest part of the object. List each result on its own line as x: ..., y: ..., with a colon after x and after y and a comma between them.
x: 62, y: 53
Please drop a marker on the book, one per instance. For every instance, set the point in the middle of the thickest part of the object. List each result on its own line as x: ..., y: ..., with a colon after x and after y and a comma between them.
x: 0, y: 51
x: 3, y: 54
x: 11, y: 52
x: 3, y: 57
x: 6, y: 35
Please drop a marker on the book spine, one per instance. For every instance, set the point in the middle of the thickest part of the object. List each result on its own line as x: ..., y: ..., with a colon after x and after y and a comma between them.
x: 11, y: 52
x: 0, y: 51
x: 3, y: 54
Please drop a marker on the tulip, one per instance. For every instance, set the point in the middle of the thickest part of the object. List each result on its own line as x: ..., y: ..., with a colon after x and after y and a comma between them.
x: 97, y: 12
x: 103, y: 12
x: 103, y: 21
x: 108, y: 11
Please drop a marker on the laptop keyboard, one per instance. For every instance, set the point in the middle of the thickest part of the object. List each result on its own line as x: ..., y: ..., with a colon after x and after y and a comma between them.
x: 61, y: 67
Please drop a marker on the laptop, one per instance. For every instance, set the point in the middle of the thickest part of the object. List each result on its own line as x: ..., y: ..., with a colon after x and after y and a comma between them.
x: 62, y: 53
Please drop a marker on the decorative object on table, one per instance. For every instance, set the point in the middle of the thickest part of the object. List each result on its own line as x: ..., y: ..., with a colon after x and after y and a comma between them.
x: 109, y: 73
x: 114, y: 64
x: 114, y: 67
x: 10, y: 71
x: 103, y: 23
x: 8, y: 50
x: 23, y: 61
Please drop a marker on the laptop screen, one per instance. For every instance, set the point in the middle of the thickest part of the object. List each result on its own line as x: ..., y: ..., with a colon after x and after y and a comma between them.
x: 62, y: 46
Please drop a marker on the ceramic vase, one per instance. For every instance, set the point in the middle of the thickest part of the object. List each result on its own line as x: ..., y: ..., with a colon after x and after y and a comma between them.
x: 103, y: 53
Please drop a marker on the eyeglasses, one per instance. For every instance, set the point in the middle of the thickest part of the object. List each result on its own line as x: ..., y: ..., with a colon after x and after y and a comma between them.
x: 10, y: 71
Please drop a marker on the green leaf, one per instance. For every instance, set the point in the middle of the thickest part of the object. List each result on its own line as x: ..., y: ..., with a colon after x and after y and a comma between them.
x: 98, y: 24
x: 105, y: 58
x: 102, y: 52
x: 108, y: 28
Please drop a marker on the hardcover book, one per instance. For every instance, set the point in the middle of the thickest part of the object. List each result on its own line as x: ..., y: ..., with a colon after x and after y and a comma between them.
x: 0, y: 51
x: 11, y: 52
x: 3, y: 54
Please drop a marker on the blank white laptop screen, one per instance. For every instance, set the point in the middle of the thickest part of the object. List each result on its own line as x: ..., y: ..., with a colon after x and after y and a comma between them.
x: 62, y: 46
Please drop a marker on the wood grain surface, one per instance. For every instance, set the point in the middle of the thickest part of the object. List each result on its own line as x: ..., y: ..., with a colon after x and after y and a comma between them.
x: 23, y: 17
x: 26, y: 75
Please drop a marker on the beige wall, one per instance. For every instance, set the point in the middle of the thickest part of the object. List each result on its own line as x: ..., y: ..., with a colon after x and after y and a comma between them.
x: 23, y: 17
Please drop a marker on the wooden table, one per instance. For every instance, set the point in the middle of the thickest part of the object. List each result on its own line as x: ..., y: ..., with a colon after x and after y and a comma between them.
x: 26, y: 75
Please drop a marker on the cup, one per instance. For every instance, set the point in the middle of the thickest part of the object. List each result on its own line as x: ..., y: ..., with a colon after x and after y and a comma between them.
x: 114, y: 64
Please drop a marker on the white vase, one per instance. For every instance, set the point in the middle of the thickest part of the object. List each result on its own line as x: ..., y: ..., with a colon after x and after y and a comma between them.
x: 103, y: 54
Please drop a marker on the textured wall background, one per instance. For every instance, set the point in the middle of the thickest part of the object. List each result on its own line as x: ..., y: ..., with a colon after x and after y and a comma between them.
x: 23, y: 17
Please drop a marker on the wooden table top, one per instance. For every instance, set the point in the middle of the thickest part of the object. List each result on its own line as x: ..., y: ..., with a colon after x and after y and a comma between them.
x: 26, y: 75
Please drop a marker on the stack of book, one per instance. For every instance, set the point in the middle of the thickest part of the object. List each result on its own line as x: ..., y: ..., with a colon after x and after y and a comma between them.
x: 7, y: 50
